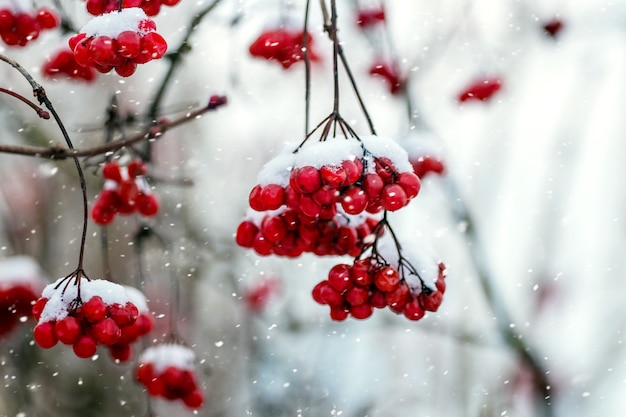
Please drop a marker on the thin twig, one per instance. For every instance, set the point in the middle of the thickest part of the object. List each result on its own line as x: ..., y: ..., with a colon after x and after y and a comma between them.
x: 40, y: 112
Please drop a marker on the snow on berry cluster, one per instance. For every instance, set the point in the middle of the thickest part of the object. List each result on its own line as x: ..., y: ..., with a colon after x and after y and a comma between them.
x: 20, y: 24
x: 168, y: 371
x: 83, y: 313
x: 410, y: 285
x: 20, y: 284
x: 283, y: 45
x: 150, y: 7
x: 324, y: 197
x: 118, y: 40
x: 122, y: 350
x: 125, y: 191
x: 64, y: 63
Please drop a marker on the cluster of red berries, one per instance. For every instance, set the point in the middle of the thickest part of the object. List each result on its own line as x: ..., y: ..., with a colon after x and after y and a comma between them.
x: 167, y: 371
x: 17, y: 28
x: 481, y: 89
x: 355, y: 290
x: 64, y: 63
x: 118, y: 40
x: 122, y: 350
x: 151, y: 7
x: 389, y: 72
x: 20, y: 284
x: 63, y: 316
x: 125, y: 191
x: 283, y: 45
x: 370, y: 17
x: 308, y: 207
x: 291, y: 233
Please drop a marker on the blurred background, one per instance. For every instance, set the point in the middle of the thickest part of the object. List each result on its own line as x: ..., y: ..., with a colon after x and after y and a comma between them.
x: 527, y: 216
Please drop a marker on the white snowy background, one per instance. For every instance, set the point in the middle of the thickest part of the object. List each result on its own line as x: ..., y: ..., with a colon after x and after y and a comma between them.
x: 540, y: 168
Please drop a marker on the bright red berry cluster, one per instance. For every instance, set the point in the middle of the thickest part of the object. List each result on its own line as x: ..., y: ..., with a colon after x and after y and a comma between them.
x: 18, y: 28
x: 122, y: 350
x: 150, y: 7
x: 427, y: 164
x: 167, y: 371
x: 283, y: 45
x: 389, y: 72
x: 64, y: 63
x: 125, y: 192
x: 64, y: 317
x: 370, y: 17
x: 356, y: 290
x: 482, y: 89
x: 118, y: 40
x: 309, y: 208
x: 20, y: 284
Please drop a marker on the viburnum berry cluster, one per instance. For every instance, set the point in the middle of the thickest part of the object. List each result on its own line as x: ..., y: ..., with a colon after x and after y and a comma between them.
x: 64, y: 63
x: 481, y: 89
x: 118, y: 40
x: 322, y: 198
x: 83, y: 313
x: 283, y: 45
x: 125, y: 191
x: 20, y: 284
x: 367, y: 18
x: 168, y: 371
x: 20, y: 25
x: 150, y: 7
x: 408, y: 282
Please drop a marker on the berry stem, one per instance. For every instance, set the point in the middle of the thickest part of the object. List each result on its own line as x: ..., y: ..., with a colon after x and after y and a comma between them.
x: 40, y: 112
x: 307, y: 69
x: 40, y: 94
x: 58, y: 153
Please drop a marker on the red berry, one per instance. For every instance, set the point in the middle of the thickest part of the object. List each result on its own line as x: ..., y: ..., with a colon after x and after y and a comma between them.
x: 47, y: 19
x: 85, y: 347
x: 121, y: 315
x: 354, y: 200
x: 328, y: 295
x: 353, y: 169
x: 361, y: 273
x: 410, y: 183
x: 413, y: 310
x: 482, y: 90
x: 274, y: 229
x: 153, y: 45
x: 339, y: 277
x: 128, y: 44
x: 144, y: 373
x: 126, y: 69
x: 94, y: 310
x: 373, y: 185
x: 357, y: 296
x: 6, y: 20
x: 361, y: 311
x: 432, y: 301
x: 387, y: 279
x: 398, y: 298
x: 246, y: 234
x: 272, y: 196
x: 106, y: 332
x: 102, y: 50
x: 333, y: 176
x: 120, y: 352
x: 68, y: 330
x: 136, y: 168
x: 370, y: 17
x: 38, y: 307
x: 338, y: 313
x: 308, y: 179
x: 111, y: 171
x: 393, y: 197
x: 194, y: 399
x: 44, y: 334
